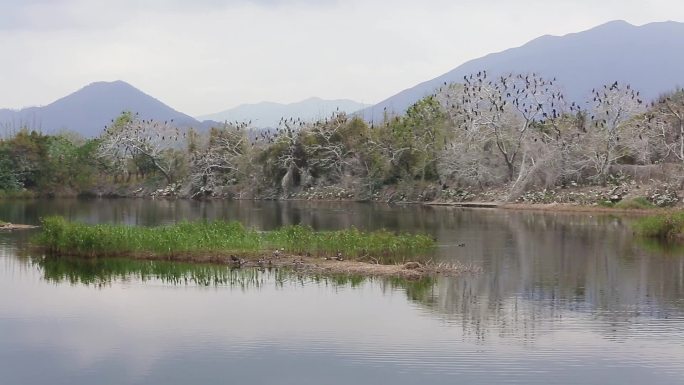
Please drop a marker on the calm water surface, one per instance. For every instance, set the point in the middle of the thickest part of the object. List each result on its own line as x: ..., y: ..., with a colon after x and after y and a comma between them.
x: 564, y: 299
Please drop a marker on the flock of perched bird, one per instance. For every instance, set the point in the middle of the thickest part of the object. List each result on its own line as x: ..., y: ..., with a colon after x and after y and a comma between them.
x: 530, y: 96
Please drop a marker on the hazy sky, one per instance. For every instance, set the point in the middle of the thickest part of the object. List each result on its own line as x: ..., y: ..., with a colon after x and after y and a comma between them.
x: 203, y: 56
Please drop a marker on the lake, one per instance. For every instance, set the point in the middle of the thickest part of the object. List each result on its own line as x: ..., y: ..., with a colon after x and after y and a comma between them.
x: 564, y: 298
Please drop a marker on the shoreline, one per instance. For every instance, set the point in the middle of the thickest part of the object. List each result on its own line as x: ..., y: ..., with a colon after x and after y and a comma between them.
x: 332, y: 266
x: 544, y: 207
x: 561, y: 207
x: 13, y: 226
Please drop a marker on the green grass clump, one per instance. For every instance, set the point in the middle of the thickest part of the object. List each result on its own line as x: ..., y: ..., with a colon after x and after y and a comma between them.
x: 352, y: 242
x: 667, y: 226
x: 62, y: 237
x: 638, y: 203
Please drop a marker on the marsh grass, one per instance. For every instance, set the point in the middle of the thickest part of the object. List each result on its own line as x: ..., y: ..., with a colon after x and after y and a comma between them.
x: 638, y: 203
x: 61, y: 237
x: 668, y: 226
x: 350, y: 242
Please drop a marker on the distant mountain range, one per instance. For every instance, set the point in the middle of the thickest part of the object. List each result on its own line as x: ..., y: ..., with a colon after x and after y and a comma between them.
x: 89, y: 109
x: 268, y: 114
x: 648, y: 57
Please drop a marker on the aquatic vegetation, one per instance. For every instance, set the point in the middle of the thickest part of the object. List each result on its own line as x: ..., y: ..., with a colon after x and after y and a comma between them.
x: 666, y: 226
x: 61, y: 237
x: 350, y: 242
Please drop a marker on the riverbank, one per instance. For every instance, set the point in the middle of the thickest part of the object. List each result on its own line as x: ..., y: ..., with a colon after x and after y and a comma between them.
x: 620, y: 194
x: 564, y: 207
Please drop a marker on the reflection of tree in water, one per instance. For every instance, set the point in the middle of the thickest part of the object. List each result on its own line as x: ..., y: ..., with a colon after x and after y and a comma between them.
x: 543, y: 268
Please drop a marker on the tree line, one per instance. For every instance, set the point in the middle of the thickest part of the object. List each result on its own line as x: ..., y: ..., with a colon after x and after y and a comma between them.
x: 515, y: 131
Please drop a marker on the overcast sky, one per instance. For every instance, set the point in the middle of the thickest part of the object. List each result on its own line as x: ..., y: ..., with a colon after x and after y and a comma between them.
x: 203, y: 56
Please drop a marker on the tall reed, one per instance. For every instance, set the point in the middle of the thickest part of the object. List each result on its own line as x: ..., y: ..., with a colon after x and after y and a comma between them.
x: 62, y: 237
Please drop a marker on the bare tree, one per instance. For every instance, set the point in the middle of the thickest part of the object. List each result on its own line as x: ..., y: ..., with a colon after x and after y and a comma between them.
x: 614, y: 108
x: 281, y: 153
x: 221, y: 161
x: 665, y: 122
x: 131, y: 139
x: 326, y: 148
x: 499, y: 114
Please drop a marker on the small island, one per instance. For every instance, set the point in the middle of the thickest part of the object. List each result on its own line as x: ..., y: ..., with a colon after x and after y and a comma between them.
x: 350, y: 251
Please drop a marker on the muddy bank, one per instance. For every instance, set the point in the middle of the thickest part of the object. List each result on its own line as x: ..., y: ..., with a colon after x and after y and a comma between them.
x: 565, y: 207
x: 13, y: 226
x: 325, y: 265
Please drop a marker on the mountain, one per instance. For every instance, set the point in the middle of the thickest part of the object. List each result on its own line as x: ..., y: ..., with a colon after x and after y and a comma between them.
x: 648, y: 57
x: 89, y: 109
x: 267, y: 114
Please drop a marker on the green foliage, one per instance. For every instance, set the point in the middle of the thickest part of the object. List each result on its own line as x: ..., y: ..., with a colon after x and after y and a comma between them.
x: 61, y: 237
x: 668, y: 226
x: 350, y: 242
x: 638, y: 203
x: 420, y: 136
x: 9, y: 180
x: 45, y: 163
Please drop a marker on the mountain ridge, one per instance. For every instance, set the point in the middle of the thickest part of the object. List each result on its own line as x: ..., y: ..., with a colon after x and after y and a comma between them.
x: 644, y: 56
x: 88, y: 109
x: 580, y: 60
x: 266, y: 114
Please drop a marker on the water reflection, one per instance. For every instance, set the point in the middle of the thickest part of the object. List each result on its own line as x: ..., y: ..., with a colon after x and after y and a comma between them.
x: 578, y: 262
x: 564, y: 298
x: 104, y: 272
